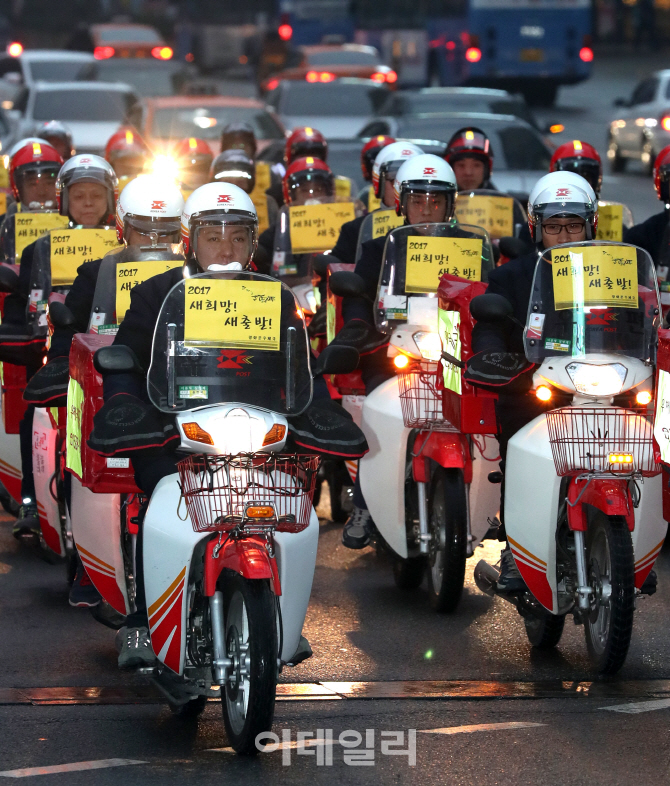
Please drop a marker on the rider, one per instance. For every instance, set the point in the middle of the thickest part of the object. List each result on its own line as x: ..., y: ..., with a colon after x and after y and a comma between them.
x: 387, y: 163
x: 425, y: 192
x: 86, y: 193
x: 369, y: 153
x: 651, y: 235
x: 562, y: 208
x: 126, y: 152
x: 239, y: 136
x: 582, y: 159
x: 194, y: 159
x: 305, y: 141
x: 58, y: 136
x: 470, y: 155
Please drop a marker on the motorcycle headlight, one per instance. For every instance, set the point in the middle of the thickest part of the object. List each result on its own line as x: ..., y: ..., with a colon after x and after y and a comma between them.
x: 429, y: 345
x: 599, y: 381
x: 310, y: 297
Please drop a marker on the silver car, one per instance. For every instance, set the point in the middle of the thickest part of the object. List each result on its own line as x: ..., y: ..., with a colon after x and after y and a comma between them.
x: 641, y: 128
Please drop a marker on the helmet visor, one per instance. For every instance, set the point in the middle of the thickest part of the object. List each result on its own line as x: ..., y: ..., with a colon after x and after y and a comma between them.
x: 586, y: 168
x: 310, y: 185
x: 224, y: 241
x: 163, y: 228
x: 423, y: 202
x: 36, y: 183
x: 308, y: 148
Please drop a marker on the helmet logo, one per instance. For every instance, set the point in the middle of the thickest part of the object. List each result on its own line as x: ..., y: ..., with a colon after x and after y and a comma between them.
x: 84, y: 160
x: 562, y: 193
x: 407, y: 153
x: 429, y: 170
x: 37, y: 149
x: 224, y: 199
x: 158, y: 205
x: 469, y: 136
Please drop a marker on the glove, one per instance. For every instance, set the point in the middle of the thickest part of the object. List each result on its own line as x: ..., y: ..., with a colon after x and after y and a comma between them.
x: 362, y: 336
x: 48, y: 386
x: 498, y: 370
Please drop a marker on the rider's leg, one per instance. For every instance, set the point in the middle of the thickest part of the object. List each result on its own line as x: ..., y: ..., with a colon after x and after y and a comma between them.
x: 27, y: 524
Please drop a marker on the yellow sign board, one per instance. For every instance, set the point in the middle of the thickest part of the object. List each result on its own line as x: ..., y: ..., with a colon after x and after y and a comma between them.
x: 374, y: 203
x: 383, y: 221
x: 429, y: 258
x: 130, y: 274
x: 29, y: 226
x: 4, y: 176
x: 594, y: 276
x: 343, y: 186
x: 3, y: 201
x: 263, y: 177
x: 233, y: 314
x: 492, y: 213
x: 72, y: 247
x: 610, y: 223
x: 315, y: 228
x: 261, y: 204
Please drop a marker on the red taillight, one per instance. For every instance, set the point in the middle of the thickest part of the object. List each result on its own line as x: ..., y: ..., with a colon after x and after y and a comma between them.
x: 473, y: 54
x: 285, y: 32
x: 15, y: 49
x: 162, y: 52
x: 273, y: 84
x: 319, y: 76
x: 586, y: 54
x: 665, y: 122
x: 312, y: 76
x: 103, y: 52
x: 450, y: 45
x: 391, y: 77
x: 378, y: 77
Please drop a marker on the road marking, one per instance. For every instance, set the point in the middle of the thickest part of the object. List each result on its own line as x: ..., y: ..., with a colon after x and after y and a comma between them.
x: 481, y: 727
x: 636, y: 707
x: 283, y: 746
x: 76, y: 766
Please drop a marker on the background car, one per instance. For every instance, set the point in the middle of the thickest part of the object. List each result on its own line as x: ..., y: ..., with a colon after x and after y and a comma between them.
x: 337, y: 109
x: 148, y: 76
x: 520, y: 155
x: 328, y: 62
x: 127, y: 40
x: 641, y: 128
x: 167, y: 120
x: 44, y: 65
x: 91, y: 110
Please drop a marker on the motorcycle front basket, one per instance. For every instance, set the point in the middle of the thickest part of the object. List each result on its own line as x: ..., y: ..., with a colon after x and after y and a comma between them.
x: 601, y: 440
x: 248, y: 490
x: 420, y: 400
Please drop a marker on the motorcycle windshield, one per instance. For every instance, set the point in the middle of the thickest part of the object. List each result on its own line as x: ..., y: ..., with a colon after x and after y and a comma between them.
x: 415, y: 259
x: 377, y: 224
x: 501, y: 215
x: 308, y: 229
x: 593, y: 297
x: 230, y: 337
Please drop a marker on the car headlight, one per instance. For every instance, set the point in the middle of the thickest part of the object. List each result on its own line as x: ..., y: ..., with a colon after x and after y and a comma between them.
x: 591, y: 380
x: 429, y: 345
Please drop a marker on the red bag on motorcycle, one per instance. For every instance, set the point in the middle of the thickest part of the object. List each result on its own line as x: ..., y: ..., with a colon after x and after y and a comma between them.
x: 13, y: 385
x: 100, y: 474
x: 663, y: 368
x: 346, y: 384
x: 471, y: 410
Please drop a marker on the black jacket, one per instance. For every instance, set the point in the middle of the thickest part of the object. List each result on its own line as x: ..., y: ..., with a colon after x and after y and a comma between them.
x: 649, y: 235
x: 80, y: 302
x: 347, y: 242
x: 514, y: 281
x: 368, y: 268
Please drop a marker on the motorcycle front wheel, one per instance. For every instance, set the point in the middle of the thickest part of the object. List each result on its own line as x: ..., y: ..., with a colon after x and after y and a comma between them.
x: 544, y: 632
x: 250, y: 629
x: 609, y: 559
x: 447, y: 549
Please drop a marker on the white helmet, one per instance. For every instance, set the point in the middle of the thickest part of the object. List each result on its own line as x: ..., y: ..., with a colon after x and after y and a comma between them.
x: 562, y: 194
x: 149, y: 204
x: 217, y: 204
x: 87, y: 168
x: 388, y: 162
x: 425, y: 174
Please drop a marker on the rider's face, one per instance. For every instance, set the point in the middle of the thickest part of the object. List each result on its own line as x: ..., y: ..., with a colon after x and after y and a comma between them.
x: 223, y: 245
x: 470, y: 173
x: 426, y: 208
x: 87, y: 203
x: 563, y: 230
x: 308, y: 189
x: 133, y: 237
x: 388, y: 197
x: 39, y: 187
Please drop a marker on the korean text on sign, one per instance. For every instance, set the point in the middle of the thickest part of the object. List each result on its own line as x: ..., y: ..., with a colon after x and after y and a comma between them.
x: 494, y: 214
x: 130, y: 274
x: 429, y: 258
x: 383, y: 221
x: 594, y: 276
x: 449, y: 329
x: 315, y: 228
x: 29, y: 226
x: 233, y: 314
x: 610, y: 223
x: 73, y: 247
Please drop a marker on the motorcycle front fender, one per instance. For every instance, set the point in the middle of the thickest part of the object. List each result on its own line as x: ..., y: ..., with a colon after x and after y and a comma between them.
x: 447, y: 449
x: 247, y: 556
x: 609, y: 495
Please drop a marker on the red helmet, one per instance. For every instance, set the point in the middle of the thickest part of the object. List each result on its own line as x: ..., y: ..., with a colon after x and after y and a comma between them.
x: 581, y: 158
x: 369, y: 153
x: 308, y: 169
x: 470, y: 142
x: 662, y: 175
x: 305, y: 141
x: 33, y: 157
x: 126, y: 144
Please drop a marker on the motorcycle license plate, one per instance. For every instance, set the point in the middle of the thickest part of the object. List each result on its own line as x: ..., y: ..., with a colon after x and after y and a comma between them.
x: 532, y: 55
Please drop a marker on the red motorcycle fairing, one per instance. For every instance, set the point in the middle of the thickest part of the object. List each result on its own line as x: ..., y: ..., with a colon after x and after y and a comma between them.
x: 247, y: 556
x: 448, y: 449
x: 609, y: 495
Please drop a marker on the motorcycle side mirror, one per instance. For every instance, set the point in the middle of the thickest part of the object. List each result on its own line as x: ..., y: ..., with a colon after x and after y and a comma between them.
x: 336, y: 360
x: 9, y: 280
x: 346, y: 284
x: 60, y: 315
x: 320, y: 264
x: 116, y: 360
x: 491, y: 308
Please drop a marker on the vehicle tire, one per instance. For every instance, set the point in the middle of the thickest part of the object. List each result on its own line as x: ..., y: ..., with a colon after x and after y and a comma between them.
x: 447, y: 550
x: 647, y: 157
x: 617, y: 162
x: 9, y: 504
x: 408, y: 573
x: 250, y: 629
x: 609, y: 561
x: 191, y: 710
x: 544, y: 632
